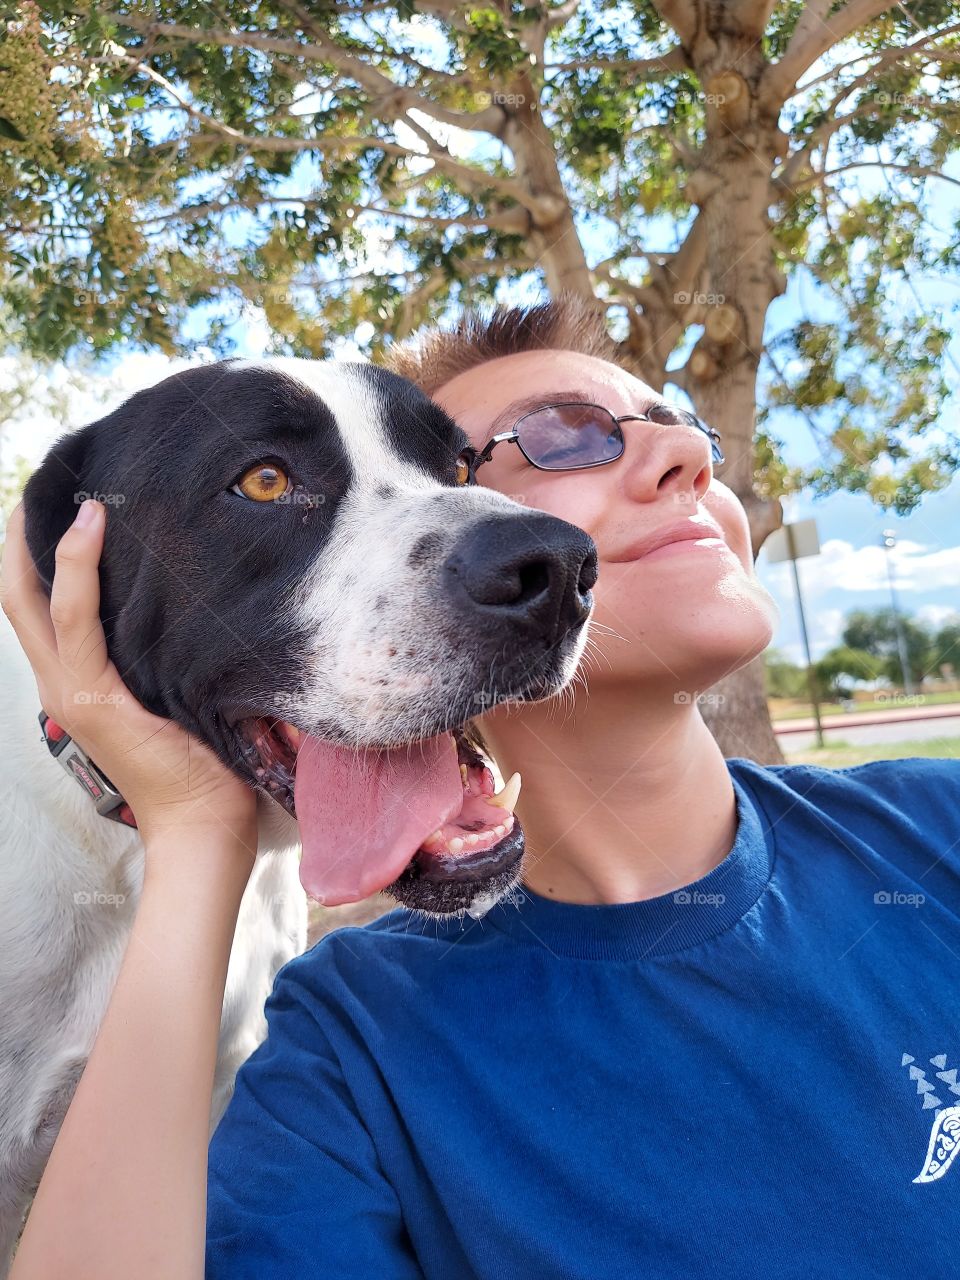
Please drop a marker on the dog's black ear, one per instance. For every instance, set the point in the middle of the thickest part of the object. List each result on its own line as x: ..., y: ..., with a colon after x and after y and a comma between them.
x: 52, y: 496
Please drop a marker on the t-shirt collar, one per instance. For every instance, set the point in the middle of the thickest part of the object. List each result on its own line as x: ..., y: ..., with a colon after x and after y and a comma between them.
x: 655, y: 926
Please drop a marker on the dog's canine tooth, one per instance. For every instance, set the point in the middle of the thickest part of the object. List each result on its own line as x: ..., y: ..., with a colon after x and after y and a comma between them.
x: 507, y: 798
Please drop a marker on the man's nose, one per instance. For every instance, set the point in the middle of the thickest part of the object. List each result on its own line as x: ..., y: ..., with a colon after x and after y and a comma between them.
x: 530, y: 575
x: 663, y: 459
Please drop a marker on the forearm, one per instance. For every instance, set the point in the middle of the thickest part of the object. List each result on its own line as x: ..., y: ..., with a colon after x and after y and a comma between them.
x: 124, y: 1191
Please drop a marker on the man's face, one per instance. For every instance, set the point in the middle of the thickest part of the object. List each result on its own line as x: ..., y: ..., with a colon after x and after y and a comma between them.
x: 684, y: 614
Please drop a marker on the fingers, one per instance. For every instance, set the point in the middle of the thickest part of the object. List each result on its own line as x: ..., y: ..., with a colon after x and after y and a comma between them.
x: 75, y: 596
x: 25, y: 601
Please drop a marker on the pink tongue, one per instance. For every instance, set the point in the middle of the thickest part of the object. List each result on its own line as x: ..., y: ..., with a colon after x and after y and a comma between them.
x: 363, y: 814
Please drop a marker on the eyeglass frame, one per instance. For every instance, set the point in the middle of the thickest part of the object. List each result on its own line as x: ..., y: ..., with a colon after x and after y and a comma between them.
x: 513, y: 435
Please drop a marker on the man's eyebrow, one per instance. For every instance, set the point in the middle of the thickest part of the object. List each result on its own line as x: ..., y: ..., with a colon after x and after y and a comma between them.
x: 541, y: 400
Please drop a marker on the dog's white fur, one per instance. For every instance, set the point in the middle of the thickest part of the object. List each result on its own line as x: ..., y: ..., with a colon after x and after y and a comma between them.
x: 69, y: 885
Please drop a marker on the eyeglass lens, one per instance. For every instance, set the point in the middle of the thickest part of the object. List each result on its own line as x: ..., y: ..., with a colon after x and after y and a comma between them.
x: 569, y: 435
x: 564, y: 436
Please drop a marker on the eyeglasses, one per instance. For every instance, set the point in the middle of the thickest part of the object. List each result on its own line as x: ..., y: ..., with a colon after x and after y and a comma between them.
x: 572, y: 436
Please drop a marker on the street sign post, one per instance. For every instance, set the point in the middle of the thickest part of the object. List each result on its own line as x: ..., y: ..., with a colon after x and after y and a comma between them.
x: 791, y: 542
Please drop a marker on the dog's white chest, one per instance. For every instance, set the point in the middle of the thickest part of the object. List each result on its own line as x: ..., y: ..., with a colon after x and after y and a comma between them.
x: 70, y: 881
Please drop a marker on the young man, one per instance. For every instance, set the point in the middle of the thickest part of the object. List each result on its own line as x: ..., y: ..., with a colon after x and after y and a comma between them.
x: 715, y: 1030
x: 678, y: 1051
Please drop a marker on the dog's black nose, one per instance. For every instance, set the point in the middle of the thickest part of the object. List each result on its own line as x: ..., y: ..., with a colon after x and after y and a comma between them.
x: 532, y: 571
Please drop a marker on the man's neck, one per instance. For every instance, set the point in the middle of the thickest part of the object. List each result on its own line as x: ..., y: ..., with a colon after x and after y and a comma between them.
x: 617, y: 805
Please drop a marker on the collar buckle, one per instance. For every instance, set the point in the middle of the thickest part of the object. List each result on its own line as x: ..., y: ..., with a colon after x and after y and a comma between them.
x: 71, y: 757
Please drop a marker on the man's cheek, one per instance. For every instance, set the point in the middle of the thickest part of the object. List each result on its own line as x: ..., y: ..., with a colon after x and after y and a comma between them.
x: 727, y: 509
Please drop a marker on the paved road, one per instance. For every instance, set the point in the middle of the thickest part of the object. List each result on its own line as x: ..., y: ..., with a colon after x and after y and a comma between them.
x: 946, y: 724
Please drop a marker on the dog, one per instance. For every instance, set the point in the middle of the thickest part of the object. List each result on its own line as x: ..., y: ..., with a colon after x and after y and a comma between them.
x: 300, y: 570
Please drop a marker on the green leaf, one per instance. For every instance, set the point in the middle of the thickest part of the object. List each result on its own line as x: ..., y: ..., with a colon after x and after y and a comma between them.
x: 10, y: 131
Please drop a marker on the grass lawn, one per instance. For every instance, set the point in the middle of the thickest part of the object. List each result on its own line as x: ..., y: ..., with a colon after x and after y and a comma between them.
x: 895, y: 702
x: 840, y: 755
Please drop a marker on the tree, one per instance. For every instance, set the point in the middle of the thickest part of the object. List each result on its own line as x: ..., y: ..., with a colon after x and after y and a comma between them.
x: 839, y: 669
x: 784, y: 679
x: 874, y: 631
x: 345, y: 163
x: 946, y: 647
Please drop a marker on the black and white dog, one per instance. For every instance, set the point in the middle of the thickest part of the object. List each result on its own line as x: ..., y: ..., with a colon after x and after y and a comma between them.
x: 297, y: 571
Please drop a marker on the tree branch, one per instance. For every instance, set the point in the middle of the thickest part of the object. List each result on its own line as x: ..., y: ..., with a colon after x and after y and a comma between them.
x: 681, y: 15
x: 471, y: 177
x: 509, y: 221
x: 813, y: 36
x: 885, y: 58
x: 658, y: 64
x: 914, y: 171
x: 560, y: 16
x: 797, y: 160
x: 392, y: 99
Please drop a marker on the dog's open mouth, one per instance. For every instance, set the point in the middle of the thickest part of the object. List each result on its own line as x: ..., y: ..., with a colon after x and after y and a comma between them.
x: 422, y: 821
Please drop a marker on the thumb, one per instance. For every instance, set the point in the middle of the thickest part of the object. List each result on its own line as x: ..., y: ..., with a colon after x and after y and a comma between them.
x: 75, y: 596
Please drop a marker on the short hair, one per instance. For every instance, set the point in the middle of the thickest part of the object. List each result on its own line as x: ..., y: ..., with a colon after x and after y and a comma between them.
x: 435, y: 356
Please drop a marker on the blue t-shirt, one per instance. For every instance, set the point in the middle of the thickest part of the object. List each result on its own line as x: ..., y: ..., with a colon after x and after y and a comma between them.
x: 754, y: 1077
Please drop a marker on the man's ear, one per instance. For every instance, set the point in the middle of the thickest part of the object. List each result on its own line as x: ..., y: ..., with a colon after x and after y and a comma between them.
x: 52, y: 497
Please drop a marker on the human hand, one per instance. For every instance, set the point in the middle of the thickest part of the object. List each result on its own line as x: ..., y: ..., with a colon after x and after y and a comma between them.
x: 172, y: 781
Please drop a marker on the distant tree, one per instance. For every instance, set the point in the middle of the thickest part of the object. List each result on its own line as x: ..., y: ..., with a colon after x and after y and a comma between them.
x: 946, y: 646
x: 839, y: 669
x: 784, y: 679
x: 874, y: 632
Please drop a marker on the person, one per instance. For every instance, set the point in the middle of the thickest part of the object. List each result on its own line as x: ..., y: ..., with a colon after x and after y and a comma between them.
x: 714, y: 1030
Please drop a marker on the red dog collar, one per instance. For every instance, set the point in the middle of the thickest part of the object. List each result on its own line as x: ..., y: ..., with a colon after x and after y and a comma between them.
x: 110, y: 803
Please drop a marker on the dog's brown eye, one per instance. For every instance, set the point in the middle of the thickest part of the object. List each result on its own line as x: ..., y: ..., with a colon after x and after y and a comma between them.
x: 263, y: 482
x: 463, y: 470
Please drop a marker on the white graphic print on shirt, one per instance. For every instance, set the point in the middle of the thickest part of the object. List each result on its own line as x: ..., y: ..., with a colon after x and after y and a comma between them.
x: 945, y: 1135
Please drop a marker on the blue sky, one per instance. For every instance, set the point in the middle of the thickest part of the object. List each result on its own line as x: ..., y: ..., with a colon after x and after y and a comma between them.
x: 850, y: 573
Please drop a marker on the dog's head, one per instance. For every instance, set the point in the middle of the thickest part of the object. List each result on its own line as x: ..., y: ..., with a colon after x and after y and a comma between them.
x: 296, y: 571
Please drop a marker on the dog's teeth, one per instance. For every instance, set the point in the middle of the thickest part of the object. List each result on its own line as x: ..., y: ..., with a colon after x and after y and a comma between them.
x: 500, y: 830
x: 463, y: 772
x: 455, y: 845
x: 471, y: 839
x: 437, y: 835
x: 507, y: 798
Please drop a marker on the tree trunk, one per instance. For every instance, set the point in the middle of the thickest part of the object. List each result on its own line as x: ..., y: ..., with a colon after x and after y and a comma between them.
x: 741, y: 721
x: 733, y: 188
x: 553, y: 233
x: 723, y: 274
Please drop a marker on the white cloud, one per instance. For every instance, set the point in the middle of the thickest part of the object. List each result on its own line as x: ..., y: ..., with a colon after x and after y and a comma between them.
x: 843, y: 567
x: 86, y: 397
x: 936, y: 616
x: 824, y: 626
